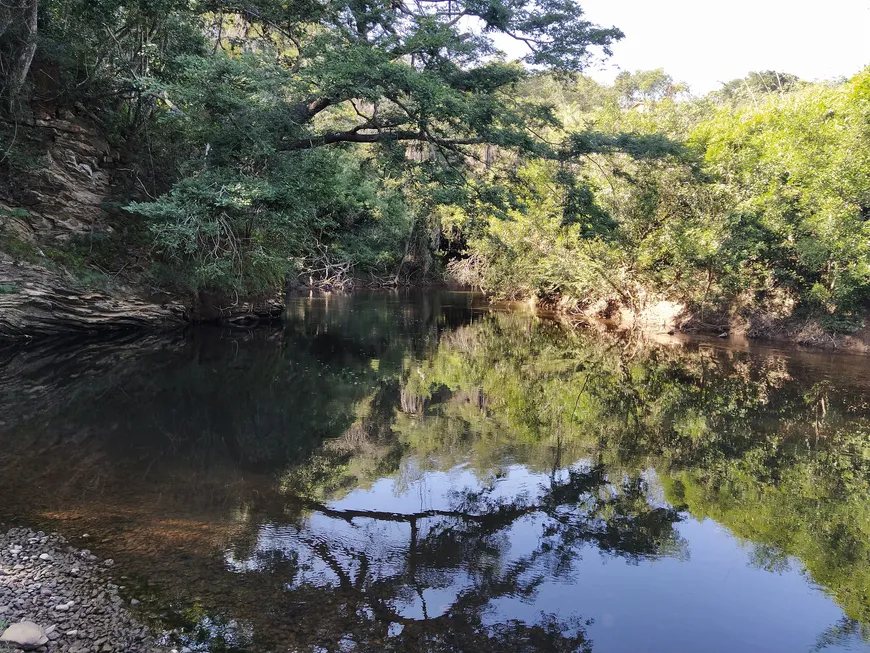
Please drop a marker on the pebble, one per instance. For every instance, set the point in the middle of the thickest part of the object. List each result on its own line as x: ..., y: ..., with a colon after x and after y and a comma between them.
x: 71, y: 601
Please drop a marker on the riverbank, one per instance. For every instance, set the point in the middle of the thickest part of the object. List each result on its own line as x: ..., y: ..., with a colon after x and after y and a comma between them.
x: 70, y: 264
x: 59, y: 599
x: 656, y: 316
x: 34, y: 313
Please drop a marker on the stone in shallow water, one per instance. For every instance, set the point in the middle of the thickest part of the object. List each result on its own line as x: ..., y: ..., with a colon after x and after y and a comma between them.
x: 26, y: 635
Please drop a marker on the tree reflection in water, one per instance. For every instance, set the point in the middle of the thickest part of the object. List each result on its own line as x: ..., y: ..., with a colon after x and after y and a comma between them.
x: 430, y: 578
x: 384, y: 474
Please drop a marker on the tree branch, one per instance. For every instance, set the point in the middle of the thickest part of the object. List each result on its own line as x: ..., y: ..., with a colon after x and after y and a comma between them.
x: 354, y: 136
x: 305, y: 110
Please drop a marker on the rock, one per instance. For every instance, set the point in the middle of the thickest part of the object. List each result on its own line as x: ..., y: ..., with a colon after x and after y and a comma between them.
x: 74, y: 590
x: 25, y: 635
x: 134, y: 601
x: 44, y: 556
x: 45, y: 302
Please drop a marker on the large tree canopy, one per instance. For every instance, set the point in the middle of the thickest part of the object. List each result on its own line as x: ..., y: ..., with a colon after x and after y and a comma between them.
x: 410, y: 69
x: 232, y: 111
x: 392, y: 70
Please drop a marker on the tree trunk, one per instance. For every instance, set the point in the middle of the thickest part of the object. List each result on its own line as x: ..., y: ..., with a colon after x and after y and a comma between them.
x: 20, y: 65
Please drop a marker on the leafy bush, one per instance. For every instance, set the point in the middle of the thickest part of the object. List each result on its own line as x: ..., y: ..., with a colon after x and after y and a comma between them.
x: 796, y: 170
x: 725, y: 206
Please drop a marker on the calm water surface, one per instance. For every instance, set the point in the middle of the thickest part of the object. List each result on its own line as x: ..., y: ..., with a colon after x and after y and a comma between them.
x: 422, y: 473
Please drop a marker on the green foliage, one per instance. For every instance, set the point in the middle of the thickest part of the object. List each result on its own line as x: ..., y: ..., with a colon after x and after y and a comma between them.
x: 745, y: 207
x: 93, y: 260
x: 756, y: 85
x: 14, y: 213
x: 222, y: 231
x: 101, y: 54
x: 220, y: 104
x: 18, y: 249
x: 796, y: 170
x: 646, y: 86
x: 325, y: 141
x: 601, y: 225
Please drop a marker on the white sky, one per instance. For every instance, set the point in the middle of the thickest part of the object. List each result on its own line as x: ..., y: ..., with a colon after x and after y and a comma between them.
x: 705, y: 42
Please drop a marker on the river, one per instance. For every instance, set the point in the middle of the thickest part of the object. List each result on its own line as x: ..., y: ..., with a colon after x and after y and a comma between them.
x: 425, y: 472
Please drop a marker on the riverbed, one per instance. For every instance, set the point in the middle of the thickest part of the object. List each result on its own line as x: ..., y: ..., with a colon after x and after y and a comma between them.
x: 426, y: 472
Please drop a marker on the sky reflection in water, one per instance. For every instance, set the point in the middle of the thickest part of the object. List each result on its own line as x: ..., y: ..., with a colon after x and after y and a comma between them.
x: 707, y: 590
x: 421, y: 473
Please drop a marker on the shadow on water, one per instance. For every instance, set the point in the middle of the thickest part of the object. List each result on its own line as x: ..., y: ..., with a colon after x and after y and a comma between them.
x: 421, y: 473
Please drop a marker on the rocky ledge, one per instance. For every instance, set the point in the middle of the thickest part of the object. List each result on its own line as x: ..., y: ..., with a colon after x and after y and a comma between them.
x: 55, y: 598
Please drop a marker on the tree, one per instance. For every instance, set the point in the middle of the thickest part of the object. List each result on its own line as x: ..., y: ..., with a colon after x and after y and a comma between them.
x: 18, y: 29
x: 283, y: 81
x: 756, y: 85
x: 646, y: 86
x: 385, y: 71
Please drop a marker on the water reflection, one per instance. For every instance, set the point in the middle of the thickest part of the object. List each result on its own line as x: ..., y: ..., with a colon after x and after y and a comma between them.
x: 433, y: 555
x: 423, y: 474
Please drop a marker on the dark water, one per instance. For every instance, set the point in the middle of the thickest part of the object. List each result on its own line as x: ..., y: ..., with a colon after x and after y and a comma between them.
x: 420, y: 473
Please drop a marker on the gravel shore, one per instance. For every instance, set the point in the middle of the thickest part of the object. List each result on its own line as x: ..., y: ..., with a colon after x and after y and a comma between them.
x: 66, y: 597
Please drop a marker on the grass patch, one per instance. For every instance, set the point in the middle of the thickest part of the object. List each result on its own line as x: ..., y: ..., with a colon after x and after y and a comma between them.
x: 76, y: 257
x: 70, y: 258
x: 14, y: 213
x: 19, y: 250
